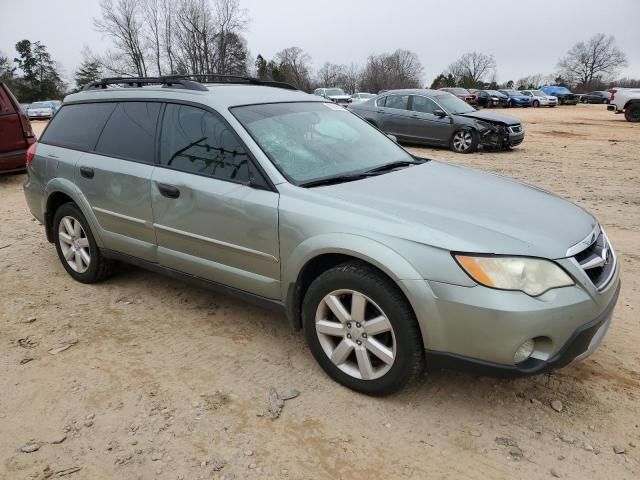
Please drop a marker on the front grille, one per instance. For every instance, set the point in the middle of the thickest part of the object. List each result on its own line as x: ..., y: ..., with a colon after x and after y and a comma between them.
x: 598, y: 261
x: 515, y: 128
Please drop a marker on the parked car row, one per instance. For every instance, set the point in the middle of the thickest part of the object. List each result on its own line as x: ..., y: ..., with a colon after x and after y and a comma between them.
x: 43, y: 110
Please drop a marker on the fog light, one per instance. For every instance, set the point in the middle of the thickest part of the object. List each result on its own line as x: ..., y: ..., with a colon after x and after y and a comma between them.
x: 524, y: 351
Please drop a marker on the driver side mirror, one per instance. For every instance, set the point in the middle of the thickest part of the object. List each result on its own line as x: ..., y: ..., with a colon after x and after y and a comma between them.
x: 439, y: 113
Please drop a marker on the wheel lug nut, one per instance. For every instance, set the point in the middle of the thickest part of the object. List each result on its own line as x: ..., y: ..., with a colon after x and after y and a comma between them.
x: 359, y: 342
x: 364, y: 335
x: 348, y: 335
x: 358, y: 325
x: 348, y: 325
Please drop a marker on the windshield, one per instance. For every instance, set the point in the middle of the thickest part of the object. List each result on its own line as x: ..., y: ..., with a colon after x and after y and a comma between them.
x: 41, y: 105
x: 512, y: 92
x: 367, y: 95
x: 459, y: 91
x: 335, y: 91
x: 493, y: 92
x: 538, y: 93
x: 561, y: 90
x: 308, y: 141
x: 453, y: 104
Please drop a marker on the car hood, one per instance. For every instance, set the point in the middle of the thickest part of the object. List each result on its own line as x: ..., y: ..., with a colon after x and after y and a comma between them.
x: 492, y: 117
x: 465, y: 210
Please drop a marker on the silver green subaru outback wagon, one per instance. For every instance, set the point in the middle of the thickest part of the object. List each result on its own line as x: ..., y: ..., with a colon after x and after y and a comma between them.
x: 388, y: 262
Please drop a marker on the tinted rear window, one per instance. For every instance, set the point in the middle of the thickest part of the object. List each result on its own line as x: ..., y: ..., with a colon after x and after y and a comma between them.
x: 78, y: 126
x: 130, y: 132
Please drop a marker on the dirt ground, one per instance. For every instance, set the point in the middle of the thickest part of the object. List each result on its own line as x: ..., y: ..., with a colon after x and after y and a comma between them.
x: 169, y: 381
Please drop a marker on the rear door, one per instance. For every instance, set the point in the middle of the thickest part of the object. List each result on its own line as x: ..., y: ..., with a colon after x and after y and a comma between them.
x: 115, y: 177
x: 209, y: 221
x: 396, y: 116
x: 12, y: 139
x: 426, y: 126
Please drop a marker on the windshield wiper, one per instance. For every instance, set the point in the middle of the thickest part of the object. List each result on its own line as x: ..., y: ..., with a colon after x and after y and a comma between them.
x: 393, y: 165
x: 360, y: 175
x: 333, y: 180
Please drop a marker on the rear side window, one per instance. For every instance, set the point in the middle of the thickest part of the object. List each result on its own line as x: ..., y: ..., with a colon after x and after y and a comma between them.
x: 399, y: 102
x: 130, y: 132
x: 78, y: 126
x: 197, y: 141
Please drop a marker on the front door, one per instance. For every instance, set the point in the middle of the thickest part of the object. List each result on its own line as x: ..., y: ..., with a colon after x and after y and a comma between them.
x: 426, y: 126
x: 209, y: 221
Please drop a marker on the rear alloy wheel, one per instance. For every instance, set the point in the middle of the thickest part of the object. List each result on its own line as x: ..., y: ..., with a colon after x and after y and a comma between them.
x: 361, y: 330
x: 76, y: 246
x: 632, y: 112
x: 464, y: 141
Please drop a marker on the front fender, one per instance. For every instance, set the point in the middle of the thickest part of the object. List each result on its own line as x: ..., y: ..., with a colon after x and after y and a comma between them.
x: 63, y: 185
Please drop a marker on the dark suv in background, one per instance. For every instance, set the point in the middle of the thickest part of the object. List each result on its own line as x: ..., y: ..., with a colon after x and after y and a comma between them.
x: 15, y: 132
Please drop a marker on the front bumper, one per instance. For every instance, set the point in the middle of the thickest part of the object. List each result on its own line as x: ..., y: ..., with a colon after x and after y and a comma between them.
x: 482, y: 328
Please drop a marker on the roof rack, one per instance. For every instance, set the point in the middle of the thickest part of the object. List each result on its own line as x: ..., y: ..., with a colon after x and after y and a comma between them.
x: 188, y: 82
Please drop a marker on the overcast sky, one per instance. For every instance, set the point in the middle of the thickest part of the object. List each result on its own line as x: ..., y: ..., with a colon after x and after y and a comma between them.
x: 524, y: 40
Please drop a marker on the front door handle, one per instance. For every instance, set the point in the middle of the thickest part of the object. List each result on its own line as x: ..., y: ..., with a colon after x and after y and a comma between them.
x: 168, y: 191
x: 87, y: 172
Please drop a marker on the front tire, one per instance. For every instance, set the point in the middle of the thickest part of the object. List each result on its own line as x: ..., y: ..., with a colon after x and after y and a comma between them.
x: 536, y: 104
x: 464, y: 141
x: 76, y: 246
x: 361, y: 330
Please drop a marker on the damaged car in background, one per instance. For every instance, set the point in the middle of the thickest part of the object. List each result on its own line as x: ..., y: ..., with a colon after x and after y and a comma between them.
x: 438, y: 118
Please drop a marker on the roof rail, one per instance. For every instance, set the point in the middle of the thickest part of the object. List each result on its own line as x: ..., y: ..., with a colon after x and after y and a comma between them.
x: 224, y: 78
x: 141, y: 81
x: 188, y: 82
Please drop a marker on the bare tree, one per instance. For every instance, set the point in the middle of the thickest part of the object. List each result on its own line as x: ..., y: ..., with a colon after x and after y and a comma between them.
x: 352, y: 78
x: 599, y: 58
x: 122, y: 22
x: 400, y: 69
x: 229, y: 21
x: 168, y: 35
x: 471, y: 68
x: 194, y: 36
x: 152, y: 30
x: 330, y: 74
x: 293, y: 67
x: 530, y: 81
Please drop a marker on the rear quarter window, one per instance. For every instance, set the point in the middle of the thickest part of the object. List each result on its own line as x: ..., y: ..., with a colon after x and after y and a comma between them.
x: 78, y: 126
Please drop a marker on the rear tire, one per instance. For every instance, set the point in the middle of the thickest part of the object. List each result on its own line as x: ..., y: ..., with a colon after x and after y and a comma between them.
x: 76, y: 246
x: 536, y: 104
x: 340, y: 343
x: 632, y: 112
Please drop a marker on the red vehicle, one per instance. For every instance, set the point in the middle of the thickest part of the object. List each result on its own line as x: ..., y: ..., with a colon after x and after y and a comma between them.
x: 16, y: 134
x: 462, y: 94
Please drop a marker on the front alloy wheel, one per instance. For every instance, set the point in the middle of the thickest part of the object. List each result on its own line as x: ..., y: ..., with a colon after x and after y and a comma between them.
x: 355, y: 334
x: 464, y: 141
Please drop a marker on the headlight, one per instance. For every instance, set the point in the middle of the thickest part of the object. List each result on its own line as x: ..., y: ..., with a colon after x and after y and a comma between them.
x: 529, y: 275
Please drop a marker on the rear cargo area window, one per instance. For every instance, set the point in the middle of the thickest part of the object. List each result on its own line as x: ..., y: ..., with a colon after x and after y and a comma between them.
x: 130, y: 132
x: 78, y: 126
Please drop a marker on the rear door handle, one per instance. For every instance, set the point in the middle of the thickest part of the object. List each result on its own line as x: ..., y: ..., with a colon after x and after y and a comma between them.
x: 87, y: 172
x: 168, y: 191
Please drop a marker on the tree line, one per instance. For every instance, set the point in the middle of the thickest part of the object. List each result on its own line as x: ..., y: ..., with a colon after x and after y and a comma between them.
x: 173, y: 37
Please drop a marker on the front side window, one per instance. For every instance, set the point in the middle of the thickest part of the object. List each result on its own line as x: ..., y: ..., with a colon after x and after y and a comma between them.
x: 453, y: 104
x: 308, y: 141
x: 400, y: 102
x: 78, y: 126
x: 130, y: 132
x: 423, y: 105
x: 197, y: 141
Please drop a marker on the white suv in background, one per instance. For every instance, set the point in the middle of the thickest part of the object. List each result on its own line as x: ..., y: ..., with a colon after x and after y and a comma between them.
x: 540, y: 99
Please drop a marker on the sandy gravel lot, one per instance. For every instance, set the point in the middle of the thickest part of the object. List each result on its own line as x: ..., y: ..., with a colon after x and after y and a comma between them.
x: 168, y: 381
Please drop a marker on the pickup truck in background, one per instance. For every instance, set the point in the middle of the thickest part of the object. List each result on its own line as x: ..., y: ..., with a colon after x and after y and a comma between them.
x: 627, y: 101
x: 15, y: 132
x: 564, y: 95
